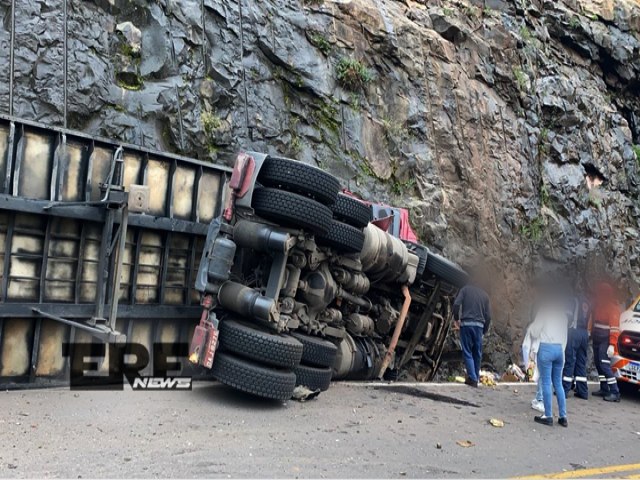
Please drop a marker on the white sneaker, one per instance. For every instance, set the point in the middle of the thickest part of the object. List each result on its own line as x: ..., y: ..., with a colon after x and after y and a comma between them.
x: 536, y: 405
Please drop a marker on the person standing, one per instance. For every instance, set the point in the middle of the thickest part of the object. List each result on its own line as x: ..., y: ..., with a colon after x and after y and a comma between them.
x: 575, y: 354
x: 606, y: 329
x: 530, y: 348
x: 472, y: 311
x: 550, y: 328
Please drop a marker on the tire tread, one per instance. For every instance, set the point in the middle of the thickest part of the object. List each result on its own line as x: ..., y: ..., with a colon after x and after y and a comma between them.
x: 264, y: 347
x: 252, y: 378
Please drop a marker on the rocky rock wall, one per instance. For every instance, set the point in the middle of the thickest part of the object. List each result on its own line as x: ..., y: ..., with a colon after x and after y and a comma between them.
x: 507, y: 127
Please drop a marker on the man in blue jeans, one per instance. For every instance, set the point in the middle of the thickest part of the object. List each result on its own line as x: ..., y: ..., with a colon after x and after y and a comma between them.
x: 472, y: 312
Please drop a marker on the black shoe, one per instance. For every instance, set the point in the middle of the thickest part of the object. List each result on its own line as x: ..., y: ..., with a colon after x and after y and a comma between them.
x: 582, y: 397
x: 548, y: 421
x: 563, y: 421
x: 600, y: 393
x: 612, y: 397
x: 471, y: 383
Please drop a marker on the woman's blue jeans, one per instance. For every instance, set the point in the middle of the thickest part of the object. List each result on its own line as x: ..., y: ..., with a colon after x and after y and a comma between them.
x: 550, y: 365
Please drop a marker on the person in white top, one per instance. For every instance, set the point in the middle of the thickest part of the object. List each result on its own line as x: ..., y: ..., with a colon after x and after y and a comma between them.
x: 529, y: 357
x: 550, y: 329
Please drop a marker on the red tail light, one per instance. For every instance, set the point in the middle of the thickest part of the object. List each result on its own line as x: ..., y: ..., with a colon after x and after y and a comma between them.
x: 626, y: 340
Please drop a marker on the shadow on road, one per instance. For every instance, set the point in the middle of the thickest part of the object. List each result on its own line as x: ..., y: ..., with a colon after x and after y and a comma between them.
x: 436, y: 397
x: 224, y: 395
x: 630, y: 393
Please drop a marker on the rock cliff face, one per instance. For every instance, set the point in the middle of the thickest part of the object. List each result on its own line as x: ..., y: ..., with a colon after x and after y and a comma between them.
x: 507, y: 127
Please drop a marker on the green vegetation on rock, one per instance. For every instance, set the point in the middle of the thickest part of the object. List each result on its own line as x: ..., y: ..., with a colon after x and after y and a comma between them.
x: 534, y: 229
x: 636, y: 151
x: 521, y: 78
x: 353, y: 74
x: 320, y: 42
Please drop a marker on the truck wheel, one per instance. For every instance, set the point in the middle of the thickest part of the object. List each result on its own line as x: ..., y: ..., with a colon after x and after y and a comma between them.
x: 252, y: 378
x: 446, y: 270
x: 344, y: 238
x: 264, y: 347
x: 299, y: 178
x: 313, y: 378
x: 291, y: 209
x: 317, y: 351
x: 351, y: 211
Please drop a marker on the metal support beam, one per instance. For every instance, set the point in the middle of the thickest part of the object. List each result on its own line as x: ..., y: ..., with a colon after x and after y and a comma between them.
x: 99, y: 331
x: 117, y: 270
x: 85, y: 310
x: 422, y: 326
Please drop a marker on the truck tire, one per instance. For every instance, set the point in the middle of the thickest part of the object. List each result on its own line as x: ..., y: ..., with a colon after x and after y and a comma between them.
x: 299, y: 178
x: 252, y: 378
x: 446, y: 270
x: 313, y: 378
x: 264, y: 347
x: 344, y: 238
x: 351, y: 211
x: 422, y: 252
x: 317, y: 351
x: 292, y: 210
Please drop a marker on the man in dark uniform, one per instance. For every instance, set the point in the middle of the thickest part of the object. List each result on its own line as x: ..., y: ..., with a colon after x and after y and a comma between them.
x: 575, y: 355
x: 605, y: 332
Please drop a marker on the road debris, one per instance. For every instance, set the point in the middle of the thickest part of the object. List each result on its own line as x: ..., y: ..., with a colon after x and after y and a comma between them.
x: 513, y: 374
x: 496, y: 422
x: 487, y: 378
x: 302, y: 394
x: 466, y: 443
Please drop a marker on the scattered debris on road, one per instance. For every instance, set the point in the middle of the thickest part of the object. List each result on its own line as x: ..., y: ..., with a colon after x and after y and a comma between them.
x: 466, y: 443
x: 496, y: 422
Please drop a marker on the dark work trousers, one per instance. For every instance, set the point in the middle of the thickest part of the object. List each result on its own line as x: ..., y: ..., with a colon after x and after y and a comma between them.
x: 471, y: 340
x: 608, y: 382
x: 575, y: 362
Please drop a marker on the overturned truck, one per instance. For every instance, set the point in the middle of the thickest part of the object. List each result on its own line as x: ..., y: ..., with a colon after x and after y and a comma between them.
x: 302, y: 284
x: 294, y: 281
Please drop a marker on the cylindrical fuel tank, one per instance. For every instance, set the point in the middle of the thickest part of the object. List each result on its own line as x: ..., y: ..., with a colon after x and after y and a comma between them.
x: 358, y: 358
x: 385, y: 258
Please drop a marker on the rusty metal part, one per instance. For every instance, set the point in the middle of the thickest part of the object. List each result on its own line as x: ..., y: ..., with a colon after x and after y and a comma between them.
x: 422, y: 326
x: 396, y: 332
x: 205, y: 335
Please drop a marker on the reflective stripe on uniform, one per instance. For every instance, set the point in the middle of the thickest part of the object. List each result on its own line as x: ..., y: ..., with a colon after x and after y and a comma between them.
x: 583, y: 379
x: 611, y: 381
x: 567, y: 379
x: 602, y: 378
x: 601, y: 325
x: 615, y: 329
x: 605, y: 361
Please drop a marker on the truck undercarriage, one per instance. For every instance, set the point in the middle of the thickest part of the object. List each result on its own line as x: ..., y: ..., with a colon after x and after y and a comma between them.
x: 295, y: 266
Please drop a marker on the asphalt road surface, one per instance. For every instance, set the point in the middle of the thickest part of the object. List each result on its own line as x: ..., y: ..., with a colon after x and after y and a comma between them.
x: 353, y: 430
